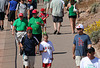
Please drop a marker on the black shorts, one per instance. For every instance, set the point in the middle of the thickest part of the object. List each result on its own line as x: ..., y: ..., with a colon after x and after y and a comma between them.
x: 38, y: 36
x: 73, y: 16
x: 11, y: 16
x: 57, y: 19
x: 2, y: 15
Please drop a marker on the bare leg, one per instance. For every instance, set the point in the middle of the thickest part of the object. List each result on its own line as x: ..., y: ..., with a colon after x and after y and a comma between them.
x: 11, y: 24
x: 2, y: 22
x: 44, y: 29
x: 71, y: 23
x: 74, y: 21
x: 55, y: 26
x: 19, y: 46
x: 59, y: 26
x: 47, y: 10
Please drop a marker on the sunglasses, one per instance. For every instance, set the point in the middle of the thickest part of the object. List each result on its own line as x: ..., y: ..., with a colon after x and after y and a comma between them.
x: 78, y: 28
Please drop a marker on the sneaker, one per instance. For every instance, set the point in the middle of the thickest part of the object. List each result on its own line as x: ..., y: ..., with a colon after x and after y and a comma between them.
x: 55, y: 32
x: 2, y: 28
x: 58, y: 33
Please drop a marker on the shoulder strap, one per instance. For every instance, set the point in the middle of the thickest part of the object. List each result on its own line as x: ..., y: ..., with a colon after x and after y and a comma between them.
x: 18, y: 5
x: 26, y: 4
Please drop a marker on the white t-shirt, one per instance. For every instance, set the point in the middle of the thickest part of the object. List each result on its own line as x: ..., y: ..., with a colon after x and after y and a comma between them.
x: 87, y: 63
x: 46, y: 55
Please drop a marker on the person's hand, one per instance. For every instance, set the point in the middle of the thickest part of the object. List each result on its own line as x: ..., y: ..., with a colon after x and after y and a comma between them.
x: 73, y: 56
x: 12, y: 33
x: 38, y: 23
x: 44, y: 50
x: 44, y: 19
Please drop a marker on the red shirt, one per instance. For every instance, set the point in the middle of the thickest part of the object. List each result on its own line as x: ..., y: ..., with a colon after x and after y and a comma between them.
x: 43, y: 15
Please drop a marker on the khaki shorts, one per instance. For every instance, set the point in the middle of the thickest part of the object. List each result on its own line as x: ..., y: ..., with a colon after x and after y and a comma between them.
x: 20, y: 35
x: 29, y: 61
x: 78, y: 60
x: 46, y: 4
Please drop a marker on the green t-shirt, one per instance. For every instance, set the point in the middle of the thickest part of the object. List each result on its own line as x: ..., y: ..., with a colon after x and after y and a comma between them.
x: 21, y: 24
x: 47, y: 0
x: 36, y: 28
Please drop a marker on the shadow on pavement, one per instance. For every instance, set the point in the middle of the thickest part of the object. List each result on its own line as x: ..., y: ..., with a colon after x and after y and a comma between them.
x: 59, y: 52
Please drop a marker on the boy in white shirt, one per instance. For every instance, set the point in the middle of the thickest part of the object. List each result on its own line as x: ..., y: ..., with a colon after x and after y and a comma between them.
x: 46, y: 48
x: 90, y: 61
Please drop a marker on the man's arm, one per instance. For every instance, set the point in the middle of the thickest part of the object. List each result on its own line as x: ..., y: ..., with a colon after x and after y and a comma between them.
x: 8, y: 8
x: 28, y: 14
x: 16, y: 14
x: 17, y: 8
x: 13, y: 30
x: 74, y: 51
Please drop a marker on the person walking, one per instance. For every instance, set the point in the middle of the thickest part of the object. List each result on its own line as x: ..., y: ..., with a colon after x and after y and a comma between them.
x: 73, y: 14
x: 44, y: 16
x: 36, y: 22
x: 28, y: 45
x: 90, y: 61
x: 46, y: 5
x: 46, y: 48
x: 3, y: 4
x: 35, y: 3
x: 20, y: 24
x: 57, y: 11
x: 22, y: 8
x: 31, y: 7
x: 11, y: 15
x: 80, y: 44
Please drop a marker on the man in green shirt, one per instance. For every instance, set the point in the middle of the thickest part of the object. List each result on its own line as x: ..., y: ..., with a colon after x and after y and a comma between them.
x: 20, y: 24
x: 36, y: 22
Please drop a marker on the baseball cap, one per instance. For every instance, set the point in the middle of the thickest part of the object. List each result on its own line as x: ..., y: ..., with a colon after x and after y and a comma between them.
x: 34, y: 11
x: 90, y: 49
x: 42, y: 9
x: 29, y: 28
x: 29, y: 0
x: 21, y: 14
x: 80, y: 26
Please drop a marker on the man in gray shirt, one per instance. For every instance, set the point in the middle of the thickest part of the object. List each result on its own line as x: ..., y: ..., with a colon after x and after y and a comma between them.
x: 22, y: 8
x: 57, y: 11
x: 3, y: 4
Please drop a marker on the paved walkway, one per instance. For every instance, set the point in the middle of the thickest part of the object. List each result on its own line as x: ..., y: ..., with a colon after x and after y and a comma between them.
x: 62, y: 44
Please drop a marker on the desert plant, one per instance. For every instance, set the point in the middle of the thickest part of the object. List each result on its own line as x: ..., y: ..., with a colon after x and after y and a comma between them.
x: 94, y: 8
x: 95, y: 36
x: 94, y: 31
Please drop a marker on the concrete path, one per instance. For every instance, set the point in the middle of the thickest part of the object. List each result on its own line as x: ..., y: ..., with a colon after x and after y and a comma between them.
x: 62, y: 44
